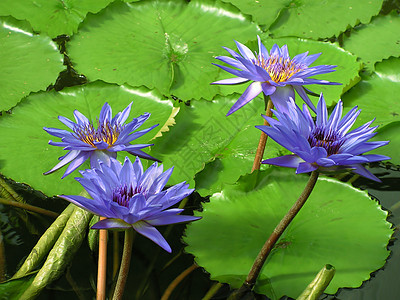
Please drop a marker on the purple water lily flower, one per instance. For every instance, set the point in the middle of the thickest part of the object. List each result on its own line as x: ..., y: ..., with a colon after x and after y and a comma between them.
x: 324, y: 144
x: 275, y: 74
x: 101, y: 143
x: 131, y: 198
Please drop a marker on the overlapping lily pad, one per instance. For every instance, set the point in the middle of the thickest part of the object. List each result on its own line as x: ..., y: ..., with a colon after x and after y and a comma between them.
x: 204, y: 134
x: 339, y: 225
x: 29, y: 62
x: 263, y: 12
x: 24, y: 152
x: 378, y: 95
x: 168, y: 45
x: 383, y: 37
x: 52, y: 17
x: 315, y: 19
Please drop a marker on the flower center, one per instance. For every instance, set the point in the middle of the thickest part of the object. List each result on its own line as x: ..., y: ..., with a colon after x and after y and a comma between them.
x: 105, y: 132
x: 123, y: 194
x: 328, y: 139
x: 278, y: 68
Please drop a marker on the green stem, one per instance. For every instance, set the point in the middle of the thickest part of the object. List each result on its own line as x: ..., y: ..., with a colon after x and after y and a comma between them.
x: 263, y: 137
x: 125, y: 263
x: 319, y: 284
x: 212, y: 291
x: 276, y: 234
x: 177, y: 280
x: 29, y: 207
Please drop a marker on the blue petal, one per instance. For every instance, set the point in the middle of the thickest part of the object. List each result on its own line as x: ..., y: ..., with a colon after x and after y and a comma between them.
x: 281, y: 97
x: 322, y: 112
x: 166, y: 220
x: 80, y: 118
x: 361, y: 170
x: 310, y: 59
x: 57, y: 132
x: 235, y: 80
x: 136, y: 135
x: 105, y: 113
x: 246, y: 52
x: 67, y: 122
x: 67, y: 158
x: 103, y: 156
x: 111, y: 224
x: 267, y: 88
x: 306, y: 167
x: 152, y: 233
x: 304, y: 96
x: 261, y: 49
x: 289, y: 161
x: 252, y: 91
x: 86, y: 204
x: 141, y: 154
x: 231, y: 61
x: 79, y: 160
x: 120, y: 118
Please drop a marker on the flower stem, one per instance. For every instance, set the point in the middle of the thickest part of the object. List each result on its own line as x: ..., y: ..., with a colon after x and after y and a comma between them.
x: 177, y: 280
x: 115, y: 253
x: 263, y: 137
x: 276, y: 234
x: 29, y: 207
x: 125, y: 263
x: 102, y: 265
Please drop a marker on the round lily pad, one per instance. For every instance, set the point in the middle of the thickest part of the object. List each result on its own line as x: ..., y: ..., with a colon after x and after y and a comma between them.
x: 29, y: 63
x: 24, y: 151
x: 52, y: 17
x: 338, y: 225
x: 315, y: 19
x: 168, y: 45
x: 383, y: 33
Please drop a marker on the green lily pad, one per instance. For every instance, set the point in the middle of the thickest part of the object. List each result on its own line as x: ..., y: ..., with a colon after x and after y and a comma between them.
x: 382, y: 34
x: 203, y: 134
x: 13, y: 289
x: 24, y: 150
x: 338, y: 225
x: 377, y: 95
x: 52, y: 17
x: 263, y: 12
x: 29, y: 63
x: 168, y: 45
x: 315, y: 19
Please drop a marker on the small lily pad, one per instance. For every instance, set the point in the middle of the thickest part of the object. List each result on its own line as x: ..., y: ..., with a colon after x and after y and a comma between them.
x: 52, y: 17
x: 383, y: 33
x: 315, y: 19
x: 378, y: 95
x: 338, y: 225
x: 29, y: 62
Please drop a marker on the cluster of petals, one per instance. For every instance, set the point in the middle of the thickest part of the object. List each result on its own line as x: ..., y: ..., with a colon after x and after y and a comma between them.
x: 84, y: 141
x: 132, y: 198
x: 326, y: 143
x: 275, y: 74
